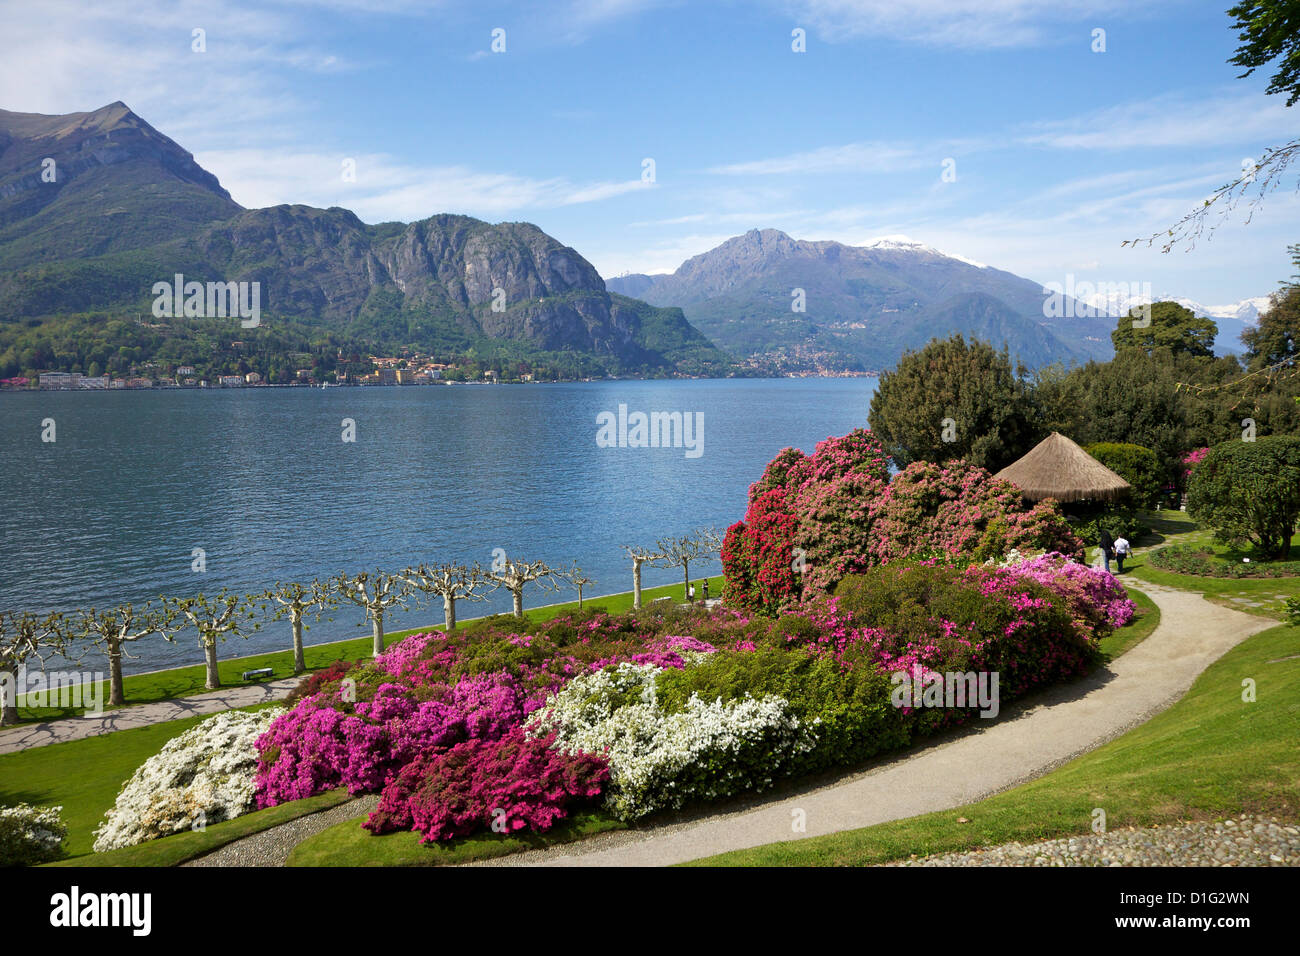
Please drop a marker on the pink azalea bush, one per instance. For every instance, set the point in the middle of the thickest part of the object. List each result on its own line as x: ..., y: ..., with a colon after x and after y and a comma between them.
x: 814, y: 519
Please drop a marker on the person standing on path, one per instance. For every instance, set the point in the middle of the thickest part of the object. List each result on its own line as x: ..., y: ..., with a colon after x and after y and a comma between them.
x: 706, y: 590
x: 1122, y: 551
x: 1107, y: 545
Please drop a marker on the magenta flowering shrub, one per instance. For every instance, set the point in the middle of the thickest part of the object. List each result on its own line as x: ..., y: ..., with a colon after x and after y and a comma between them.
x: 1095, y: 597
x: 515, y: 782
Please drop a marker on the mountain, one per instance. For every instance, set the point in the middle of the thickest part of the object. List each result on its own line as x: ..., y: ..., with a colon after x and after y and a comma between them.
x: 1232, y: 319
x: 864, y: 305
x: 125, y: 207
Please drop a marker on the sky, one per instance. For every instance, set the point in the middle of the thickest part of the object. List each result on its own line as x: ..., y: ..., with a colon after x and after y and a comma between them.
x: 642, y: 132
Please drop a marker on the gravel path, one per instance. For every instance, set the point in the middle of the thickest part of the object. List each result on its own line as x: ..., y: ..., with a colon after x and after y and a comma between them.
x: 26, y: 736
x: 1245, y: 841
x: 272, y: 847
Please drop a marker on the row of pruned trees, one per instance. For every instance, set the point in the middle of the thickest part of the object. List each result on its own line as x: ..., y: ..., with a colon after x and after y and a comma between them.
x: 26, y: 636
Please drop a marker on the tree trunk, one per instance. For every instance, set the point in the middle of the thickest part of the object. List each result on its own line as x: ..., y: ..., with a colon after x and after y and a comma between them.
x: 377, y: 618
x: 299, y: 661
x: 449, y: 612
x: 686, y: 570
x: 518, y: 595
x: 636, y: 584
x: 116, y: 694
x: 210, y: 657
x: 579, y: 597
x: 9, y: 695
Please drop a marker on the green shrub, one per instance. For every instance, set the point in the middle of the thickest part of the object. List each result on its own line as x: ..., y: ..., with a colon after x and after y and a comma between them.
x: 848, y: 708
x: 31, y: 835
x: 1250, y: 490
x: 1186, y: 559
x: 1137, y: 465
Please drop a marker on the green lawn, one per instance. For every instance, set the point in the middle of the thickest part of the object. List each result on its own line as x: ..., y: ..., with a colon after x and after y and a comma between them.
x: 347, y: 844
x: 1263, y: 596
x: 1143, y: 623
x: 1211, y: 755
x: 184, y: 681
x: 84, y: 776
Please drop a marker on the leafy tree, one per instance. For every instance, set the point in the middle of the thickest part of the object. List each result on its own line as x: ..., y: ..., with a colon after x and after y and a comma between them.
x: 1169, y: 325
x: 1137, y: 465
x: 1250, y: 490
x: 1270, y: 29
x: 953, y: 400
x: 1275, y: 339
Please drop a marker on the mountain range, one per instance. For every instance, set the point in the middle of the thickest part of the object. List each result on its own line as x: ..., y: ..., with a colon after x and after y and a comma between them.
x: 95, y: 208
x: 862, y: 306
x: 98, y: 207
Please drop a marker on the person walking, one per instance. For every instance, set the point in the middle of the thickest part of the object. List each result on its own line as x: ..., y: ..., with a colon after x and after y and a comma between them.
x: 1122, y: 551
x: 1107, y: 545
x: 706, y: 590
x: 690, y: 593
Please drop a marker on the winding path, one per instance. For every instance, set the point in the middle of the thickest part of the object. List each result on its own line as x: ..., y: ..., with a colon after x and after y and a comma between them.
x: 1028, y: 741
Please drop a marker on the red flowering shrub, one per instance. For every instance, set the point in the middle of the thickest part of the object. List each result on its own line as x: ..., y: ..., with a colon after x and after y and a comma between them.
x: 837, y: 512
x: 516, y: 780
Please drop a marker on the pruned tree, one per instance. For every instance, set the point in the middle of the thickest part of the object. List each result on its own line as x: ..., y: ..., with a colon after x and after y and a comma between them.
x: 514, y: 575
x: 24, y: 635
x: 295, y: 601
x: 575, y: 578
x: 639, y: 557
x: 452, y: 583
x: 376, y: 592
x: 215, y: 618
x: 698, y: 545
x: 113, y: 629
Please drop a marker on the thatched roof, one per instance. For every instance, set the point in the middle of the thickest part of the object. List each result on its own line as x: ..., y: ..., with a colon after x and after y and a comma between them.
x: 1058, y: 468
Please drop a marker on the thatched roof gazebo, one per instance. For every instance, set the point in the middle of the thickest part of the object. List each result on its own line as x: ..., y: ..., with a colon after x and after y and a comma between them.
x: 1058, y: 468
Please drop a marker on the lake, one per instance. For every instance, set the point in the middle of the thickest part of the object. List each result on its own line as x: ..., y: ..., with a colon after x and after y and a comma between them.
x: 264, y: 483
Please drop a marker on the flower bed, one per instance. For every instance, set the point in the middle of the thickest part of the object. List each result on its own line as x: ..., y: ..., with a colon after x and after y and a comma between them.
x: 203, y: 776
x: 511, y: 725
x: 1186, y: 559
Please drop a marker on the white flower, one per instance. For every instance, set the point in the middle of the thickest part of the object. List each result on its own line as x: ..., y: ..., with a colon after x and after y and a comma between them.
x: 30, y: 834
x: 204, y: 775
x: 660, y: 760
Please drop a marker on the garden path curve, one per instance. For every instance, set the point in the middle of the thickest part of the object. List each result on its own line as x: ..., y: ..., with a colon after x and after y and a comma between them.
x: 1029, y: 740
x: 26, y: 736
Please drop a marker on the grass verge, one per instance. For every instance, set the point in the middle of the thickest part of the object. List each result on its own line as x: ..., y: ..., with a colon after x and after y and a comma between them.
x: 347, y: 844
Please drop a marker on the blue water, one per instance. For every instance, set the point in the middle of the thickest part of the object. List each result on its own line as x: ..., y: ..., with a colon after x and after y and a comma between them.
x: 261, y: 480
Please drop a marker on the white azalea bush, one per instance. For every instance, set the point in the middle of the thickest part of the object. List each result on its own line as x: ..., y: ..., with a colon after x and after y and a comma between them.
x: 659, y: 760
x: 31, y: 835
x: 205, y: 775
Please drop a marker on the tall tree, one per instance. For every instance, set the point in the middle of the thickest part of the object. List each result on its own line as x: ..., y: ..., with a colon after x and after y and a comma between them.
x: 295, y: 601
x: 452, y: 583
x: 23, y: 636
x: 1274, y: 341
x: 1169, y: 325
x: 953, y: 399
x: 376, y: 592
x: 215, y: 618
x: 115, y: 628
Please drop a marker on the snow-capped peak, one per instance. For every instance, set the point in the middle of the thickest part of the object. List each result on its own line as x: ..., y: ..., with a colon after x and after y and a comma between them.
x: 908, y: 244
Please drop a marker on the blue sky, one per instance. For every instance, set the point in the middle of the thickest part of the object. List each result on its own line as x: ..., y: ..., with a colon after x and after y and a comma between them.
x: 1060, y: 152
